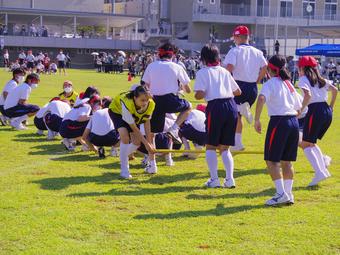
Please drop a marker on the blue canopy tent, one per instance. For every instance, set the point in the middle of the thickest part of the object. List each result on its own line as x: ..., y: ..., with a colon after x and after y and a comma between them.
x: 328, y: 50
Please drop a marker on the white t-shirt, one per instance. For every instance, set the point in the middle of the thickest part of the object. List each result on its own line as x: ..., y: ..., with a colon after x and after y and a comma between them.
x: 197, y: 120
x: 6, y: 56
x: 41, y: 112
x: 281, y: 100
x: 318, y: 94
x: 75, y: 113
x: 20, y: 92
x: 9, y: 87
x: 30, y: 58
x: 100, y: 123
x: 163, y: 77
x: 61, y: 57
x: 247, y: 62
x: 57, y: 107
x: 216, y: 82
x: 22, y: 56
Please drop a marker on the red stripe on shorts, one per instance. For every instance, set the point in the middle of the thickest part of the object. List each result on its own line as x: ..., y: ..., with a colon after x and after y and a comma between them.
x: 310, y: 123
x: 272, y: 135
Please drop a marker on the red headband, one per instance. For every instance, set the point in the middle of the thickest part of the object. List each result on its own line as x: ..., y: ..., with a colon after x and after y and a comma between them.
x: 162, y: 52
x: 213, y: 63
x: 274, y: 68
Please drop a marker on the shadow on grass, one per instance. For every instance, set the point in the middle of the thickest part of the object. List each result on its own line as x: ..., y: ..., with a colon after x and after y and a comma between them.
x: 48, y: 149
x: 2, y: 128
x: 220, y: 210
x: 64, y: 182
x: 38, y: 139
x: 75, y: 156
x: 139, y: 191
x: 29, y: 135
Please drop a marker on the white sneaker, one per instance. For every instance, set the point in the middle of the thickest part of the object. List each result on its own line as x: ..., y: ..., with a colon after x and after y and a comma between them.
x: 173, y: 133
x: 213, y: 183
x: 317, y: 178
x: 327, y: 159
x: 151, y: 169
x: 114, y: 152
x: 40, y: 132
x: 145, y: 161
x: 291, y: 198
x: 20, y: 126
x: 229, y: 183
x: 278, y: 199
x: 125, y: 175
x: 245, y: 111
x: 169, y: 161
x: 237, y: 148
x: 68, y: 144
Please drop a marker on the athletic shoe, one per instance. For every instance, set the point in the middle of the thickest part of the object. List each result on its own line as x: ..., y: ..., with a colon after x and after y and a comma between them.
x: 114, y: 152
x: 278, y: 199
x: 229, y: 183
x: 151, y: 169
x: 173, y: 133
x: 169, y: 161
x: 317, y: 178
x: 327, y: 173
x: 245, y: 111
x: 327, y: 160
x: 237, y: 148
x: 125, y: 175
x: 291, y: 198
x: 40, y: 132
x: 68, y: 144
x: 145, y: 161
x: 101, y: 152
x: 213, y: 183
x: 50, y: 135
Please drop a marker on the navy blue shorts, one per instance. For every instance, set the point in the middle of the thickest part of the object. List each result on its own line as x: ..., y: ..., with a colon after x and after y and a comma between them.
x: 118, y: 121
x: 249, y: 92
x: 110, y: 139
x: 169, y: 103
x: 282, y: 139
x: 318, y: 120
x: 191, y: 134
x: 302, y: 123
x: 39, y: 123
x: 61, y: 64
x: 72, y: 129
x: 2, y: 110
x: 21, y: 110
x: 53, y: 122
x: 221, y: 121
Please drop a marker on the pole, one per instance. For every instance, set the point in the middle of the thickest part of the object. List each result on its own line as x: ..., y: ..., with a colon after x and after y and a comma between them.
x: 113, y: 6
x: 6, y: 19
x: 107, y: 27
x: 74, y: 26
x: 277, y: 20
x: 41, y: 20
x: 136, y: 30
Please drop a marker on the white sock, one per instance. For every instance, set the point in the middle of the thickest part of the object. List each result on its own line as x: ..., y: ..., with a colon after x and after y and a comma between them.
x: 228, y: 162
x: 238, y: 139
x: 288, y: 185
x: 313, y: 160
x: 318, y: 153
x: 168, y: 156
x: 132, y: 148
x: 185, y: 143
x: 124, y: 158
x: 211, y: 158
x: 279, y: 186
x: 153, y: 163
x: 175, y: 126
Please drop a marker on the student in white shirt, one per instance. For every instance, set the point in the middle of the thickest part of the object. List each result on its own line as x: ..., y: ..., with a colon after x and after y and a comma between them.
x: 100, y: 130
x: 216, y: 85
x: 75, y: 121
x: 282, y: 136
x: 18, y: 77
x: 248, y: 66
x: 165, y: 78
x: 16, y: 106
x: 30, y: 60
x: 319, y: 116
x: 61, y: 57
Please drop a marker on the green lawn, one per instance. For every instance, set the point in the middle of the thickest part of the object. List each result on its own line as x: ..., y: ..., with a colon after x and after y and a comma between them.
x: 55, y: 202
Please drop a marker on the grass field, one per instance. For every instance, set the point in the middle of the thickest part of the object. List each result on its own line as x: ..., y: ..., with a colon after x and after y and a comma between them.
x: 55, y: 202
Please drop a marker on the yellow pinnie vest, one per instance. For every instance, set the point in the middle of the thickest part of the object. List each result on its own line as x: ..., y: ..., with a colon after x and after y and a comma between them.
x: 140, y: 118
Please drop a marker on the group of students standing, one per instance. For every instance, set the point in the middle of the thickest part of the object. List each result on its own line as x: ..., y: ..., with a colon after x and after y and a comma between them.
x: 141, y: 117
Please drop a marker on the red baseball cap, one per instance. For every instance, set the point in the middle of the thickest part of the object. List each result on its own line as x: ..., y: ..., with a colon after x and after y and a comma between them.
x: 307, y: 61
x: 241, y: 30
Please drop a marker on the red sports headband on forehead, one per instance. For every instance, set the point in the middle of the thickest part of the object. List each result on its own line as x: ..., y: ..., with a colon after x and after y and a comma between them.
x: 274, y: 68
x: 163, y: 52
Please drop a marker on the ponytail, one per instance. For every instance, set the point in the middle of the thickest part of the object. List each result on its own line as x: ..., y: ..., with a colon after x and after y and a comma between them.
x: 139, y: 90
x: 314, y: 77
x: 277, y: 64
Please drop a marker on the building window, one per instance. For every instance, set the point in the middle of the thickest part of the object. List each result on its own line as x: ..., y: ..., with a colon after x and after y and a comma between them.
x: 212, y: 1
x: 308, y: 8
x: 330, y: 9
x: 263, y: 8
x: 107, y: 1
x: 200, y: 1
x: 286, y: 8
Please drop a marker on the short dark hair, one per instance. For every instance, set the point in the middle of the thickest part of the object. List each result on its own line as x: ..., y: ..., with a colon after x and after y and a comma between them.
x: 210, y: 54
x: 106, y: 101
x: 18, y: 71
x: 280, y: 62
x: 90, y: 91
x: 139, y: 90
x: 167, y: 47
x: 32, y: 76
